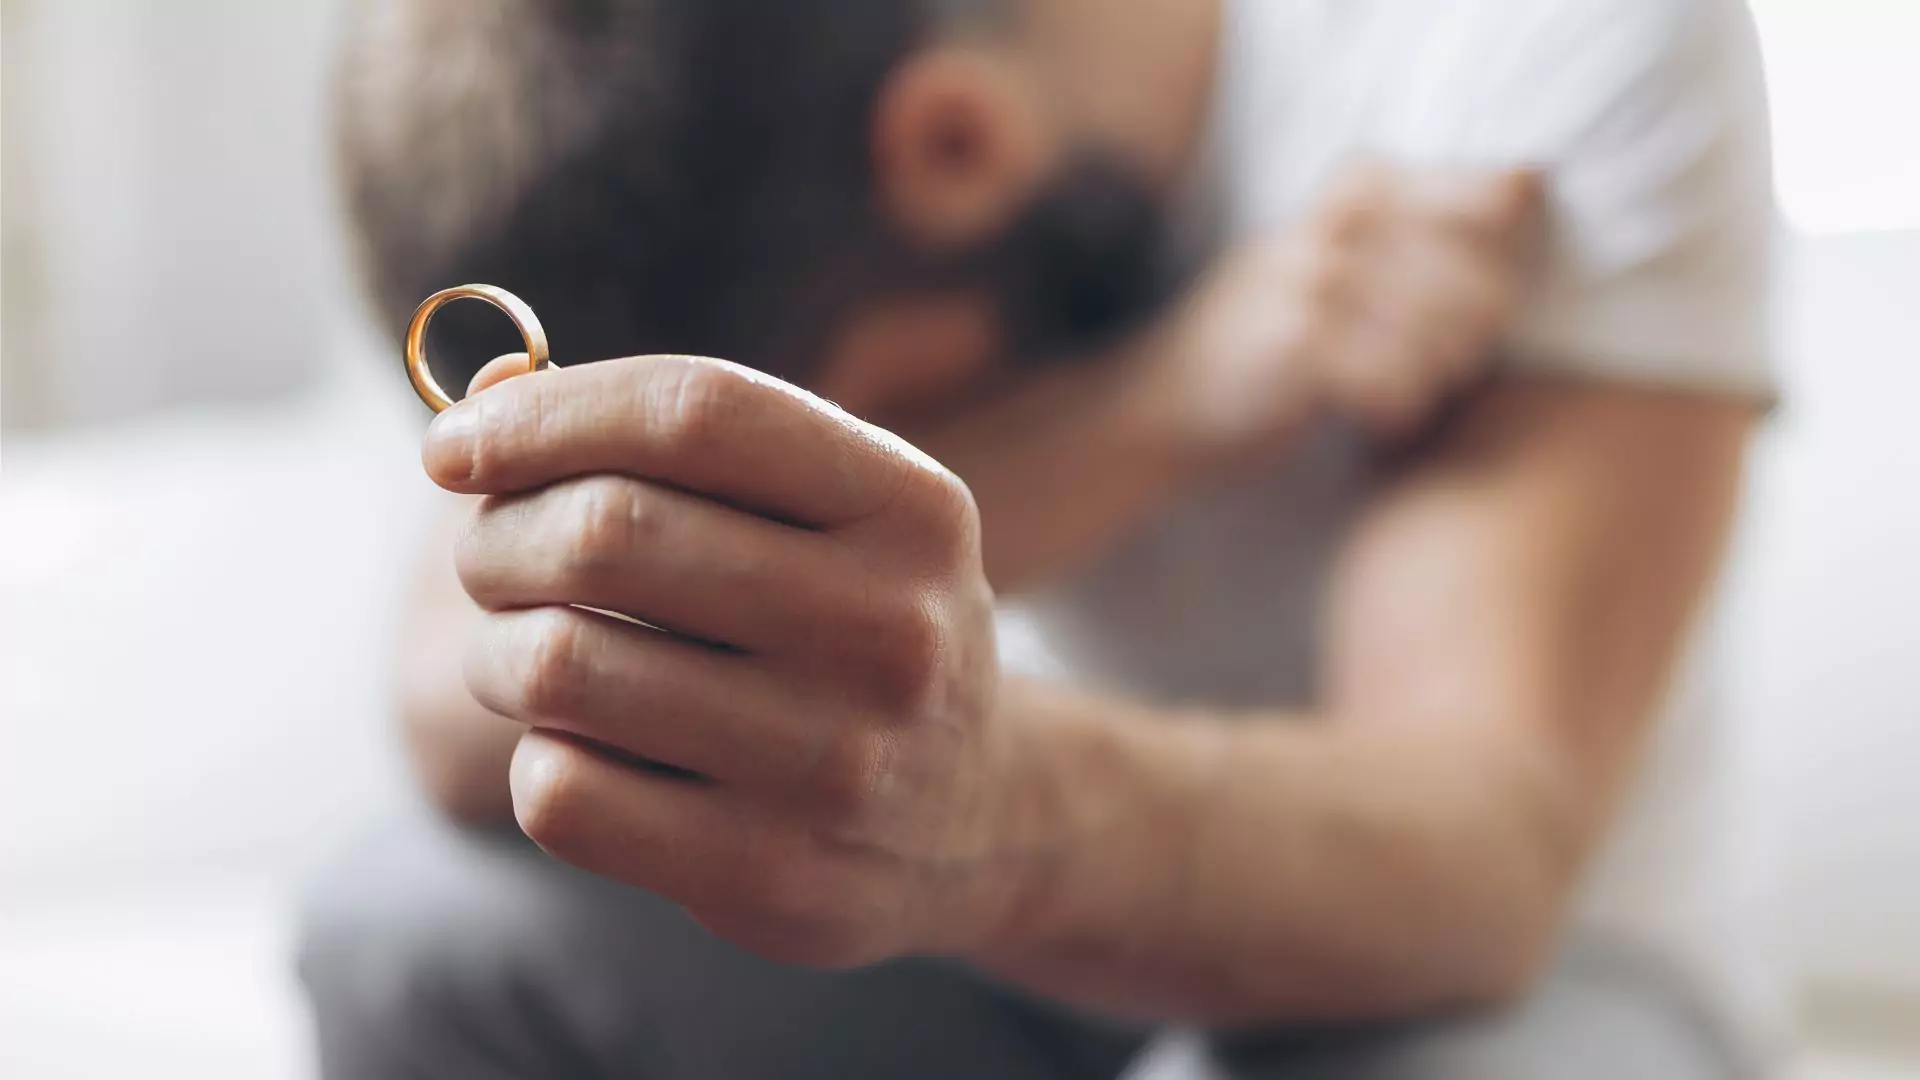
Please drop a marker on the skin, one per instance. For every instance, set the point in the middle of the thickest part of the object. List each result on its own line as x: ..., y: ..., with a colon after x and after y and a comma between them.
x: 820, y: 646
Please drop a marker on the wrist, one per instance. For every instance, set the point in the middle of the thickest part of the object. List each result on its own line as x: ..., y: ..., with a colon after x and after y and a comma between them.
x: 1223, y: 383
x: 1161, y: 400
x: 1101, y: 806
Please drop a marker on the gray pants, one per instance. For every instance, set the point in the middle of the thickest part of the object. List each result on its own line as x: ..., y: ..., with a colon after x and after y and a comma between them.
x: 432, y: 953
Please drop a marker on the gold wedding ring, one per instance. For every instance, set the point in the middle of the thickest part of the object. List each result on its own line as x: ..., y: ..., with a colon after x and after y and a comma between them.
x: 515, y: 308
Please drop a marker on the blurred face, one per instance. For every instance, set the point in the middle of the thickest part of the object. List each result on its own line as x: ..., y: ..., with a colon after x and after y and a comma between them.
x: 1022, y: 189
x: 1076, y: 268
x: 1021, y: 184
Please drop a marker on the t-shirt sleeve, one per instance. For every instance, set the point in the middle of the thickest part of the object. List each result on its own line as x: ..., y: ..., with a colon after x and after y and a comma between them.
x: 1651, y: 121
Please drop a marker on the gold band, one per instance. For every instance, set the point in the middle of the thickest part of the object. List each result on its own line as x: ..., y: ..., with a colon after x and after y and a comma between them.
x: 515, y: 308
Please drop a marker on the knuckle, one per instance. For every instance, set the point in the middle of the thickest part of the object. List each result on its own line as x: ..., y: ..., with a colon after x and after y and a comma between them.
x: 695, y: 404
x: 949, y: 521
x: 849, y: 775
x: 554, y: 663
x: 958, y: 516
x: 910, y: 653
x: 898, y: 642
x: 610, y: 521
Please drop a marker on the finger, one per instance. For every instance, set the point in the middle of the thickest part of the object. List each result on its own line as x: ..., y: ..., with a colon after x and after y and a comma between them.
x: 1357, y: 200
x: 702, y: 425
x: 498, y: 369
x: 1392, y: 410
x: 660, y: 833
x: 1517, y: 195
x: 725, y: 859
x: 1502, y: 206
x: 676, y: 561
x: 1379, y: 379
x: 664, y: 699
x: 1448, y: 297
x: 1502, y: 199
x: 1513, y: 206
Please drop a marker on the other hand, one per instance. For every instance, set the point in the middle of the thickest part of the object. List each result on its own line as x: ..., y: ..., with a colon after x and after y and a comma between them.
x: 1389, y: 294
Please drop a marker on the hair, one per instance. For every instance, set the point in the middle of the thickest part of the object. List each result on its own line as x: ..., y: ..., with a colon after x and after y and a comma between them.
x: 649, y: 175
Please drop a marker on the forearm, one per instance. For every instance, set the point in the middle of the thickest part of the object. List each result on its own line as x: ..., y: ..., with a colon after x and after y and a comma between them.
x: 1499, y: 634
x: 1270, y: 868
x: 1063, y: 466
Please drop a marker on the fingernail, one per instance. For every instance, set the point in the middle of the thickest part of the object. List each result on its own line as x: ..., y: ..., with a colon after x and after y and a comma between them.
x: 448, y: 450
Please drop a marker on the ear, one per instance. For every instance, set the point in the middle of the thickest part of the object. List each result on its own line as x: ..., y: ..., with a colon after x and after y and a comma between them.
x: 959, y: 144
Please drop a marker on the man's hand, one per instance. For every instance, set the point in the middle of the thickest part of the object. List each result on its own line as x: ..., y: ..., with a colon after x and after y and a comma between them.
x: 1387, y: 296
x: 817, y: 670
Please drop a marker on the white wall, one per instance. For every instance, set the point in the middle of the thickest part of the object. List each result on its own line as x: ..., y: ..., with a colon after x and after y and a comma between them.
x: 168, y: 232
x: 1830, y: 634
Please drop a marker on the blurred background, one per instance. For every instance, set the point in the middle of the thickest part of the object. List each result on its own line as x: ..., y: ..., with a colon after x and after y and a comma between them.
x: 209, y: 485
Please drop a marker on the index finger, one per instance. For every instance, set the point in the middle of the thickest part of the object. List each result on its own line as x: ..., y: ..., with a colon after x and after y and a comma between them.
x: 703, y: 425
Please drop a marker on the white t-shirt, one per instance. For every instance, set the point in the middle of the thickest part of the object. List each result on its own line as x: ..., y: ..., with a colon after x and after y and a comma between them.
x: 1650, y: 119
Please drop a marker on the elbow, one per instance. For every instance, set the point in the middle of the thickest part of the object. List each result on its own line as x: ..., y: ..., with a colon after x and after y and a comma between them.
x: 1507, y: 968
x: 1483, y: 961
x: 1510, y: 938
x: 1515, y: 918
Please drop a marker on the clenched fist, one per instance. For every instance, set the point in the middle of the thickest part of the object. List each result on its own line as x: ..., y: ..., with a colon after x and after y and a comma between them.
x: 1389, y: 293
x: 799, y: 744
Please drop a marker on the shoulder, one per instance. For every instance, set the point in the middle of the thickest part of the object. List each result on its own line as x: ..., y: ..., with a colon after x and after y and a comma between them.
x: 1576, y: 72
x: 1495, y: 80
x: 1650, y: 117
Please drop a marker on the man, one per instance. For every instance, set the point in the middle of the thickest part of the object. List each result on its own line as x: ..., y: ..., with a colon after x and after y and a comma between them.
x: 1354, y: 395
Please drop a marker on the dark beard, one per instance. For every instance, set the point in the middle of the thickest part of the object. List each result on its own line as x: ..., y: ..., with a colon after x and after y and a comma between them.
x: 1082, y: 265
